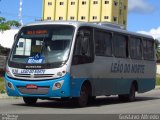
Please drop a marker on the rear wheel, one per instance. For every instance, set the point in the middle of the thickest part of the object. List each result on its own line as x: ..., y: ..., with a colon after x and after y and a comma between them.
x: 132, y: 95
x: 30, y: 100
x: 129, y: 97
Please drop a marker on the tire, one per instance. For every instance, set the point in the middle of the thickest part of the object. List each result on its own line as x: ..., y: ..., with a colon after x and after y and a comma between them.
x: 30, y: 100
x: 82, y: 100
x: 132, y: 95
x: 92, y: 99
x: 122, y: 97
x: 129, y: 97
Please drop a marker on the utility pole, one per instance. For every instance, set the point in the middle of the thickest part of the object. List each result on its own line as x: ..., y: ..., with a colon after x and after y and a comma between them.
x: 20, y: 11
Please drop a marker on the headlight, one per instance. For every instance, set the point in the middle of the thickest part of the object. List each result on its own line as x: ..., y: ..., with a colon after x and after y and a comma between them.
x: 10, y: 85
x: 58, y: 85
x: 61, y: 74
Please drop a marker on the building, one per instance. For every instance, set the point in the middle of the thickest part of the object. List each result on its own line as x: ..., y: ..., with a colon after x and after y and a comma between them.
x: 114, y: 11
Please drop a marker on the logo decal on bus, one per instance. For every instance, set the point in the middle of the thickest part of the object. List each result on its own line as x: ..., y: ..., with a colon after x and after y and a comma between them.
x: 127, y: 68
x: 36, y: 59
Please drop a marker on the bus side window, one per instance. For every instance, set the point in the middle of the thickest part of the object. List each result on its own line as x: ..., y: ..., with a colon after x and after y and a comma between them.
x: 83, y: 50
x: 148, y: 49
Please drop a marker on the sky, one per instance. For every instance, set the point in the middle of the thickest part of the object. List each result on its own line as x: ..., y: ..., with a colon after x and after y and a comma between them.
x: 143, y: 16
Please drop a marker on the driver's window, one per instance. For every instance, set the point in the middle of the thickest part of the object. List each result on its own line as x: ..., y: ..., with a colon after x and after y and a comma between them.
x: 83, y: 51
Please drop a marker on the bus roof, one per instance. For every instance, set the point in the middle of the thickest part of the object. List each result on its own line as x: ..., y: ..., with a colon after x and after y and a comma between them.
x: 79, y: 24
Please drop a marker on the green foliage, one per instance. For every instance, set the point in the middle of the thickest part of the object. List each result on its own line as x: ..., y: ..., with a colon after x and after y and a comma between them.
x: 6, y: 25
x: 158, y: 80
x: 158, y: 50
x: 2, y: 86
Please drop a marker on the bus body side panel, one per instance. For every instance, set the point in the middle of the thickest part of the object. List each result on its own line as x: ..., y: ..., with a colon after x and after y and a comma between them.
x: 76, y: 84
x: 112, y: 76
x: 145, y: 85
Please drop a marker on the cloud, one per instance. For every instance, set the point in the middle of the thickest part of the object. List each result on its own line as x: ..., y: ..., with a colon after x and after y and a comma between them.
x: 140, y: 6
x: 155, y: 32
x: 7, y: 37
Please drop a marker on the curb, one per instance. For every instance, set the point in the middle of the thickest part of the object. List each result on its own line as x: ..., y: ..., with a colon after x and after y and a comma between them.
x: 5, y: 96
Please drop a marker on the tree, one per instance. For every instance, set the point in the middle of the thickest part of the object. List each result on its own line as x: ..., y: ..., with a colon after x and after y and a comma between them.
x: 6, y: 25
x: 157, y: 50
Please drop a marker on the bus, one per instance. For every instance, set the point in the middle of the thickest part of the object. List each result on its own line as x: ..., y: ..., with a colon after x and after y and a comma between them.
x: 79, y: 61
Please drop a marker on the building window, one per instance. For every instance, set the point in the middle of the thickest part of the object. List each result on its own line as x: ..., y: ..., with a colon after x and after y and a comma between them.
x: 106, y: 2
x: 120, y: 12
x: 48, y: 18
x: 95, y: 2
x: 114, y: 19
x: 125, y: 7
x: 124, y: 22
x: 82, y: 17
x: 60, y: 18
x: 49, y: 3
x: 61, y: 3
x: 83, y: 2
x: 72, y: 18
x: 120, y: 4
x: 72, y: 3
x: 115, y: 3
x: 94, y: 17
x: 106, y: 17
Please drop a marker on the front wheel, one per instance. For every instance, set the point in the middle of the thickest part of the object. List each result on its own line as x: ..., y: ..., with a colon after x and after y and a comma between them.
x: 82, y: 100
x: 30, y: 100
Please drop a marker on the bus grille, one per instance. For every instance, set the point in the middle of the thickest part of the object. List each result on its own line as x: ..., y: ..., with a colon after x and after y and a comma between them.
x: 38, y: 91
x: 34, y: 75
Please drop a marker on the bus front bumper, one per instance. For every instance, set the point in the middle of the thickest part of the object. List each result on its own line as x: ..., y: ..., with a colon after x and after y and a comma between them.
x: 58, y: 87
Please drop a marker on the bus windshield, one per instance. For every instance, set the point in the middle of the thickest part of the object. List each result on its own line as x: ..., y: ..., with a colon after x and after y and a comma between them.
x: 42, y: 44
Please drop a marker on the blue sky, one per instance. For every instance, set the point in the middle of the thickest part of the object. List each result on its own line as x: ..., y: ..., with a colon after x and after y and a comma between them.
x: 143, y: 15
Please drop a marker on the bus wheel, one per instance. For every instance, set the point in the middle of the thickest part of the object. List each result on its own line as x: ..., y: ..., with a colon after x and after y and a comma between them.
x: 132, y: 94
x: 129, y: 97
x: 92, y: 99
x: 30, y: 100
x: 82, y: 100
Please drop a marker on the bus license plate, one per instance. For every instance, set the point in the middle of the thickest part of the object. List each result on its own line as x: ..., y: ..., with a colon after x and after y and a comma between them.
x: 31, y: 86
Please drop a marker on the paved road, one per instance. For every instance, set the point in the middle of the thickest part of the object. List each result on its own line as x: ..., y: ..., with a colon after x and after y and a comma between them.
x: 145, y: 103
